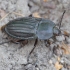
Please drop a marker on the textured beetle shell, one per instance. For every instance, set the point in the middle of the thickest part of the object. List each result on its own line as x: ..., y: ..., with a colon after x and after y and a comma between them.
x: 29, y: 28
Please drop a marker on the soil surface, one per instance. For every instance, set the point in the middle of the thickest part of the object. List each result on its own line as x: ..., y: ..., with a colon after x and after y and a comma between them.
x: 53, y: 54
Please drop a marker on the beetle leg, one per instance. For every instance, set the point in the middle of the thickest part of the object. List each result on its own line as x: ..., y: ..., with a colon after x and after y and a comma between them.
x: 34, y: 46
x: 32, y: 49
x: 23, y: 42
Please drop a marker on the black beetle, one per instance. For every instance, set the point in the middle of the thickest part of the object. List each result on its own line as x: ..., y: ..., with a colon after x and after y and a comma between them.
x: 30, y: 28
x: 27, y: 28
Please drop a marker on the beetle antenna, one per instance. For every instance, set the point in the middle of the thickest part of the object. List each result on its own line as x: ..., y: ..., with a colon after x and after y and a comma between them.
x: 61, y: 18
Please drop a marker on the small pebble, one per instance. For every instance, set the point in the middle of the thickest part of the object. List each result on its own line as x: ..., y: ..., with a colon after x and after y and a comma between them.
x: 63, y: 68
x: 60, y: 38
x: 57, y: 43
x: 34, y: 8
x: 68, y: 39
x: 50, y: 61
x: 6, y: 44
x: 37, y: 68
x: 62, y: 61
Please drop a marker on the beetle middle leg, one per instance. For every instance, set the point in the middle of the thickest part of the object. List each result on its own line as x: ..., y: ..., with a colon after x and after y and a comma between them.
x: 34, y: 46
x: 32, y: 49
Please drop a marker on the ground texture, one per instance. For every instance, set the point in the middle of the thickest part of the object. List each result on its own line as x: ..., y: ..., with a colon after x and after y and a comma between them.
x: 53, y: 56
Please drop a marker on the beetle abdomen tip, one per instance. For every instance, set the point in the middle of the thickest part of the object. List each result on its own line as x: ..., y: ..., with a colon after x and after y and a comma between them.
x: 3, y: 28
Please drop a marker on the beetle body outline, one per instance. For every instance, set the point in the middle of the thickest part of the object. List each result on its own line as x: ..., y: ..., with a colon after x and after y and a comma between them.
x: 29, y: 28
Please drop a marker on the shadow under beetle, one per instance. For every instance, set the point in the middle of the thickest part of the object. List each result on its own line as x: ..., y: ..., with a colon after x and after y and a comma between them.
x: 27, y: 28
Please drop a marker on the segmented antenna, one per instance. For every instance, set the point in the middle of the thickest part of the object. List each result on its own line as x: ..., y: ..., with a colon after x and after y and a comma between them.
x: 61, y: 18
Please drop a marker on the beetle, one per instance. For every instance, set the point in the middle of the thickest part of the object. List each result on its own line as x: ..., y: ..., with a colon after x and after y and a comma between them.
x: 28, y: 28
